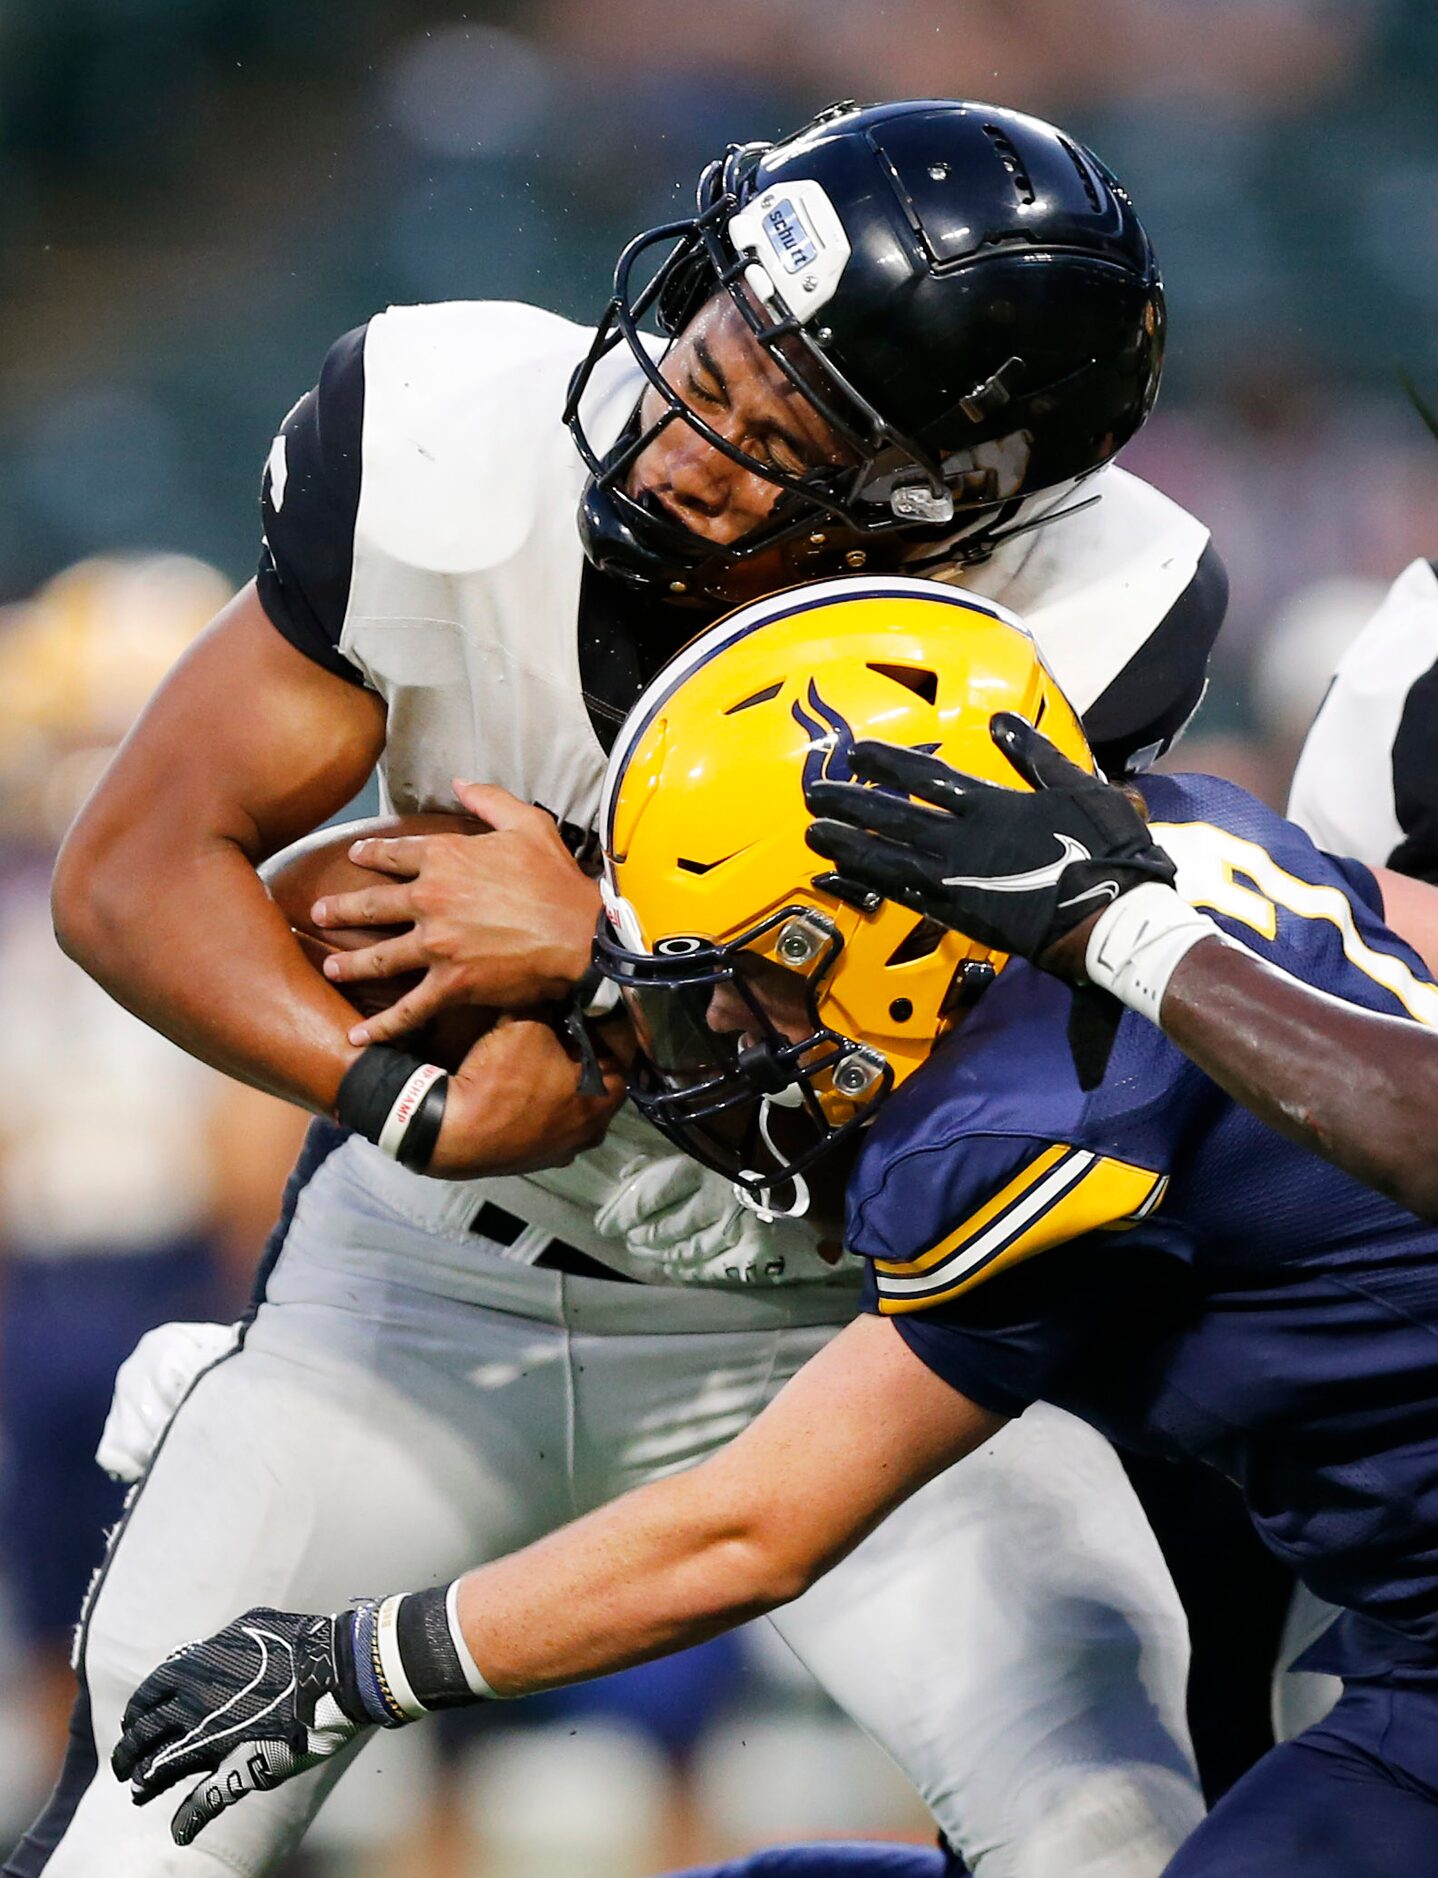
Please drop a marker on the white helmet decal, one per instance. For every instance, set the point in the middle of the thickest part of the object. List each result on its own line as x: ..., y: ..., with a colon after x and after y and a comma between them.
x: 797, y: 246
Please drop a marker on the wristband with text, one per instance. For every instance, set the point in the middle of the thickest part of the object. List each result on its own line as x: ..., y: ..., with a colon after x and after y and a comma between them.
x: 396, y: 1101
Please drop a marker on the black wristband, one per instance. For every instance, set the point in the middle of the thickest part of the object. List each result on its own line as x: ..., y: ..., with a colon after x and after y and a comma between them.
x: 396, y: 1101
x: 431, y: 1662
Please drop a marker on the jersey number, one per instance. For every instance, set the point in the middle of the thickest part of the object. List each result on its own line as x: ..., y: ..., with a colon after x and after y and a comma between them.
x: 1222, y: 871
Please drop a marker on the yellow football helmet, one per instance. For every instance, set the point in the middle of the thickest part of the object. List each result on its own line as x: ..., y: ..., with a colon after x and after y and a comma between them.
x: 758, y: 980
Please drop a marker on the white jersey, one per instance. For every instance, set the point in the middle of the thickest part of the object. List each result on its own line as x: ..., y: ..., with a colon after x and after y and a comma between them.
x: 1367, y: 778
x: 421, y: 538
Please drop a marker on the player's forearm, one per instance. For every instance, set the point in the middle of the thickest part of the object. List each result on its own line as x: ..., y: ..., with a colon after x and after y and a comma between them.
x: 246, y: 746
x: 860, y: 1427
x: 663, y: 1568
x: 184, y: 935
x: 1358, y: 1088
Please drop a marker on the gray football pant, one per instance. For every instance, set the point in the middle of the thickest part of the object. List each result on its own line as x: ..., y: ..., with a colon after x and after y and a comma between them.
x: 406, y: 1404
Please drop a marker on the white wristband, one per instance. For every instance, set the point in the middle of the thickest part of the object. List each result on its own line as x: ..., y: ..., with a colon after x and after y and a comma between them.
x: 1137, y: 943
x: 471, y: 1670
x: 390, y: 1661
x: 404, y: 1109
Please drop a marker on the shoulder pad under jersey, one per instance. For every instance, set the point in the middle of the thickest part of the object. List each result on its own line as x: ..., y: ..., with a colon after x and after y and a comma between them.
x: 1094, y: 584
x: 463, y: 431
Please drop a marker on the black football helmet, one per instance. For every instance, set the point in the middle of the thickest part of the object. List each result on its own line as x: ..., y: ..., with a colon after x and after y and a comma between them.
x: 965, y: 295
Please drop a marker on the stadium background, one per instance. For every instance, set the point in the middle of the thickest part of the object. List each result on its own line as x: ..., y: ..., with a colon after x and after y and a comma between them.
x: 196, y: 197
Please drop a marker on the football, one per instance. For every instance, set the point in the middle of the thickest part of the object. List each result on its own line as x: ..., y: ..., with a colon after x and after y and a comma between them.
x: 318, y: 866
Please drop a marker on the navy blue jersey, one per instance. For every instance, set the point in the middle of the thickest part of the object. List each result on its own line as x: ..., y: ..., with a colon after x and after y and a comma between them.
x: 1152, y: 1257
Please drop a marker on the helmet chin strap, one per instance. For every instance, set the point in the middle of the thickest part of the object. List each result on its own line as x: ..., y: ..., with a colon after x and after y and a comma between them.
x: 763, y: 1203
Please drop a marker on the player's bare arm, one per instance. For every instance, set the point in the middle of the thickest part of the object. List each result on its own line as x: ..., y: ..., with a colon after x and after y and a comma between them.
x: 157, y: 896
x: 507, y: 921
x: 247, y: 746
x: 1358, y: 1088
x: 856, y: 1432
x: 861, y: 1427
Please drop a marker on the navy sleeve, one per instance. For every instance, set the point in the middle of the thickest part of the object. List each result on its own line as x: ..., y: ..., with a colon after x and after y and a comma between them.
x: 1065, y: 1329
x: 1139, y: 716
x: 309, y: 499
x: 1360, y: 881
x: 1072, y: 1328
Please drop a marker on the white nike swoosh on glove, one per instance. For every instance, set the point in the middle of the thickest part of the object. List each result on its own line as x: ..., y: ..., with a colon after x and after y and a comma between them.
x: 1025, y: 883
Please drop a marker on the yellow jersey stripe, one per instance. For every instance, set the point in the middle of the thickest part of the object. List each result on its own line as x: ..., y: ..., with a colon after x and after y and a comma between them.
x: 1098, y: 1193
x: 1023, y: 1182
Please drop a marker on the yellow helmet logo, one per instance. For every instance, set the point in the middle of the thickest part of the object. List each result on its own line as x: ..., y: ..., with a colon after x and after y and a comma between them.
x: 709, y: 880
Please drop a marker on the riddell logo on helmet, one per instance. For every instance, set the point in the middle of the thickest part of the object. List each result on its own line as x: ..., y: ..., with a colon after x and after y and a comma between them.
x: 791, y: 240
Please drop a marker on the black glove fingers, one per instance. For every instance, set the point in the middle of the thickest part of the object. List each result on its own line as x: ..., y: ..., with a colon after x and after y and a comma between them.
x: 153, y: 1692
x: 1117, y: 826
x: 145, y: 1735
x: 1041, y: 765
x: 871, y: 859
x: 914, y: 772
x: 928, y: 830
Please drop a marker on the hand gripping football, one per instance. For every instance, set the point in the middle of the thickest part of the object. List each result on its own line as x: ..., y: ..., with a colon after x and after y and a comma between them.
x: 319, y: 866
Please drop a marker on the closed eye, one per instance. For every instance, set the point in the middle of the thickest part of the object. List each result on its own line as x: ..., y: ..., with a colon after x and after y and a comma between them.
x: 788, y: 462
x: 703, y: 394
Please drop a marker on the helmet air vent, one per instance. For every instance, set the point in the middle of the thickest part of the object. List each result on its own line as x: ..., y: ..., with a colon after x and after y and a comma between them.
x: 1086, y: 177
x: 1008, y: 155
x: 923, y: 940
x: 757, y: 697
x: 913, y: 678
x: 707, y: 867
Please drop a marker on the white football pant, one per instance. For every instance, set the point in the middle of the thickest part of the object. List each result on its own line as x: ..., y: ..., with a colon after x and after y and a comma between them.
x: 408, y: 1403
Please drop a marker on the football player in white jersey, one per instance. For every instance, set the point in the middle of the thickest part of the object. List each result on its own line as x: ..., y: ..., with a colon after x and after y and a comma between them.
x: 914, y: 335
x: 1366, y: 782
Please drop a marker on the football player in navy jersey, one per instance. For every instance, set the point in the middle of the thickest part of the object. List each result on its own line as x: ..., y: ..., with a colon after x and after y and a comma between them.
x: 1355, y: 1086
x: 1128, y: 1241
x: 910, y: 336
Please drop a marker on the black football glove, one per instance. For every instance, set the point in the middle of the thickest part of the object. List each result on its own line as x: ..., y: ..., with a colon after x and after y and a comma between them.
x: 264, y: 1699
x: 1010, y: 869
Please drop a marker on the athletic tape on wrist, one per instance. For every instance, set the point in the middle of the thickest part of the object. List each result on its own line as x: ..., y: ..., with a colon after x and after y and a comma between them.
x: 418, y: 1660
x: 1138, y: 942
x: 396, y: 1101
x: 472, y: 1673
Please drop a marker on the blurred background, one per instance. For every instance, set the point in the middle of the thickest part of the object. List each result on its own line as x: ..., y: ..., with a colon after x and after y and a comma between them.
x: 196, y: 198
